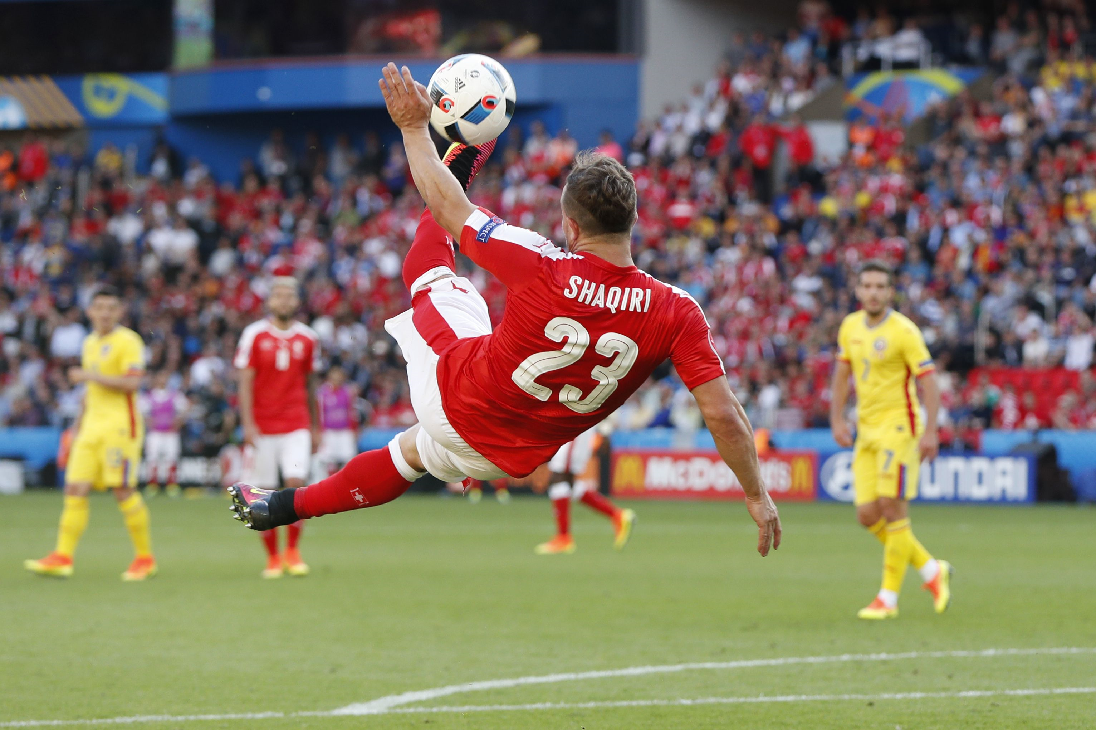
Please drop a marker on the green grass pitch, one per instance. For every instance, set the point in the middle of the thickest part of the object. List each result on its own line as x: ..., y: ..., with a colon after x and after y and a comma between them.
x: 429, y: 592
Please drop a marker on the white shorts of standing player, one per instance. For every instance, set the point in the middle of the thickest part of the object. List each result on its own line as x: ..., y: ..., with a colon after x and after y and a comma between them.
x: 162, y: 450
x: 290, y: 453
x: 573, y: 457
x: 460, y: 308
x: 337, y: 446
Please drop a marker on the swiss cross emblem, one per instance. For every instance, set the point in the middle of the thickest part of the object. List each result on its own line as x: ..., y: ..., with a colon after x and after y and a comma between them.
x: 298, y: 348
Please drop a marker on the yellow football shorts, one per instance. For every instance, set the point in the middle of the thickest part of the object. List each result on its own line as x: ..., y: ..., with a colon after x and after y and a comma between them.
x: 105, y: 457
x: 886, y: 462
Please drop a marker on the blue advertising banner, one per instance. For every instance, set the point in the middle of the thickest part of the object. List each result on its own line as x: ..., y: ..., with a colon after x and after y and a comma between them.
x: 948, y: 478
x: 128, y: 100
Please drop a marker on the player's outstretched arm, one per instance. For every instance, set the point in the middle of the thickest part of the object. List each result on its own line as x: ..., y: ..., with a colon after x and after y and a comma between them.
x: 734, y: 440
x: 409, y: 106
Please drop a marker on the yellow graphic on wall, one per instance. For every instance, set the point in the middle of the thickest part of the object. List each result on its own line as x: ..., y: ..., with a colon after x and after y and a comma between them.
x: 105, y: 95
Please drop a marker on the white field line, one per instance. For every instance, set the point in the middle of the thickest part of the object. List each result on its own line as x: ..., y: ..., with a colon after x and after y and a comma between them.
x: 761, y: 699
x: 395, y: 703
x: 386, y: 704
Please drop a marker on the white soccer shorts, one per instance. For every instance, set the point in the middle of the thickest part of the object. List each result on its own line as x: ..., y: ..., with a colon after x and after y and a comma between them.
x: 458, y: 311
x: 574, y: 456
x: 338, y: 446
x: 291, y: 453
x: 162, y: 448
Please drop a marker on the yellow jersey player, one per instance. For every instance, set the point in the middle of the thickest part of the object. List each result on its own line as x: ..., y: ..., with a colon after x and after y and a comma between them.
x: 106, y: 452
x: 887, y: 358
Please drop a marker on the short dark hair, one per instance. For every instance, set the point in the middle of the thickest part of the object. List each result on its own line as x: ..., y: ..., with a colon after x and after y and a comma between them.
x: 600, y: 194
x: 876, y: 265
x: 106, y: 290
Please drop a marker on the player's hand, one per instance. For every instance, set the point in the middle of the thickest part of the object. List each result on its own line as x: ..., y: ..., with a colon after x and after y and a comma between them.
x: 251, y: 435
x: 407, y: 100
x: 317, y: 436
x: 765, y: 515
x: 929, y: 446
x: 77, y: 375
x: 842, y: 434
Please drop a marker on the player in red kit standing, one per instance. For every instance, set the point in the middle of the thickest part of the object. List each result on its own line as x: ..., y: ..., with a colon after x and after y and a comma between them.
x: 277, y: 360
x: 582, y: 330
x: 568, y: 482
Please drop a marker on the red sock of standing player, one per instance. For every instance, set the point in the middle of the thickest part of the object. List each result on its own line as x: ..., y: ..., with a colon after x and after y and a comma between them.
x: 293, y: 535
x: 595, y: 500
x: 367, y: 480
x: 562, y: 507
x: 270, y: 540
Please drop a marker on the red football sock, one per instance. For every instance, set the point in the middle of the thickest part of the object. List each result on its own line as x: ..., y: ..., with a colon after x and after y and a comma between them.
x: 293, y: 535
x: 367, y: 480
x: 595, y: 500
x: 562, y: 506
x: 431, y: 248
x: 270, y: 539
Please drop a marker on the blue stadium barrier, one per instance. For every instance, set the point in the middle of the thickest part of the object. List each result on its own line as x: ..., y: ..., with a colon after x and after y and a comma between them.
x: 36, y: 447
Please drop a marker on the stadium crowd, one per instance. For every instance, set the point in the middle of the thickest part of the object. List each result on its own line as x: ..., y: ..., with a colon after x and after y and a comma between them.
x: 991, y: 225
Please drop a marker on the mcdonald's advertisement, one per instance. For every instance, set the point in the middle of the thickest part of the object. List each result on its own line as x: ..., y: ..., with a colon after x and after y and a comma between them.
x: 790, y: 476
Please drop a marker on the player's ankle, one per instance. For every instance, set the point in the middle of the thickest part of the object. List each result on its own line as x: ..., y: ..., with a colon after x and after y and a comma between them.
x: 281, y: 506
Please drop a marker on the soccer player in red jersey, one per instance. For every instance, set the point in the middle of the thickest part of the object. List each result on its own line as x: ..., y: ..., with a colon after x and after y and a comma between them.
x: 582, y: 330
x: 277, y: 360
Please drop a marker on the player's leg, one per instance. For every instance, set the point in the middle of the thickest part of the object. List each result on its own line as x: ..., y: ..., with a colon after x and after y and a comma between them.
x: 82, y: 472
x: 120, y: 475
x: 295, y: 458
x: 867, y: 461
x: 585, y: 468
x: 559, y: 493
x: 152, y: 458
x: 892, y: 457
x: 173, y: 450
x: 262, y: 470
x: 431, y: 254
x: 935, y: 574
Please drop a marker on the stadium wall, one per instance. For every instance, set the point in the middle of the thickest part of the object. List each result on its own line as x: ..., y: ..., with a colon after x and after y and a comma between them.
x: 683, y: 40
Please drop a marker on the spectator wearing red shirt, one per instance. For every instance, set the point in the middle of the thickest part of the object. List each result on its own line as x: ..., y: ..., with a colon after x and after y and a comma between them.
x: 800, y: 151
x: 609, y: 146
x: 33, y: 159
x: 758, y: 141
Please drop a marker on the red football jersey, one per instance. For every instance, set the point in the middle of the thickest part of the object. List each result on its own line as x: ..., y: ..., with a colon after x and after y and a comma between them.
x: 282, y: 360
x: 579, y: 336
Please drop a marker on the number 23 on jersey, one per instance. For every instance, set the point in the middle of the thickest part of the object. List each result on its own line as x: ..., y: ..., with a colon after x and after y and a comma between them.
x: 576, y: 338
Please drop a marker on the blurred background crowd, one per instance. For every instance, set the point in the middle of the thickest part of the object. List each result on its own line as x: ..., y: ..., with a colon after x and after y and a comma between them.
x: 990, y: 223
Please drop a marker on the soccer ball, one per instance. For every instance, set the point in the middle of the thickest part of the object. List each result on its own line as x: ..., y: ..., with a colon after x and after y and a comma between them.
x: 473, y: 98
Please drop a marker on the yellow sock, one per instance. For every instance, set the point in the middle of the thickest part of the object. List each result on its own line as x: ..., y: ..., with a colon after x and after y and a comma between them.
x: 74, y: 520
x: 896, y: 554
x: 135, y: 514
x: 879, y: 529
x: 918, y: 554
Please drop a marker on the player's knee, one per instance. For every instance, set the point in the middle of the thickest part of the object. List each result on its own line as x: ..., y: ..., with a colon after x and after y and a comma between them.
x: 559, y: 490
x: 77, y: 489
x: 122, y: 493
x: 409, y: 448
x: 868, y: 514
x: 892, y: 509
